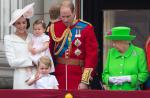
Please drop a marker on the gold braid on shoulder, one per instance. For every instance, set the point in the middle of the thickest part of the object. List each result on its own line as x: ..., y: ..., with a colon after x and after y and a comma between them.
x: 58, y: 40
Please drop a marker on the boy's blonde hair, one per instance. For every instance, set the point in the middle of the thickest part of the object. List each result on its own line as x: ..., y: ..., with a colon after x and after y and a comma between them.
x: 45, y: 60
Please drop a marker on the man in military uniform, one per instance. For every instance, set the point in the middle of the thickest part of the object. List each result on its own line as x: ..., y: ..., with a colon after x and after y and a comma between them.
x: 75, y: 49
x: 147, y: 46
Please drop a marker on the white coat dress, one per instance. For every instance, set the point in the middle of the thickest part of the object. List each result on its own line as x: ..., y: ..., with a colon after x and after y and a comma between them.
x: 17, y: 54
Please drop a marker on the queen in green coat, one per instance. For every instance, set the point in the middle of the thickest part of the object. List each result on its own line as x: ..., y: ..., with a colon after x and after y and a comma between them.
x: 126, y: 66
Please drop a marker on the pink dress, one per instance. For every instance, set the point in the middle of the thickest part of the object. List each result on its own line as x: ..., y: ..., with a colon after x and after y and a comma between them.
x: 38, y: 42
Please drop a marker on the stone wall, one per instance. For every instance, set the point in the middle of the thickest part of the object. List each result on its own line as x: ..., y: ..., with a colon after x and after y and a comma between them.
x: 6, y: 77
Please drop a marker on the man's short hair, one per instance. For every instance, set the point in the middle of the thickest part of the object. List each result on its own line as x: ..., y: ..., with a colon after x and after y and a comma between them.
x: 68, y: 3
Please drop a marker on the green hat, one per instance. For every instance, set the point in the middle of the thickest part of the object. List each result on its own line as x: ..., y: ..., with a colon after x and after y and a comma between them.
x: 120, y: 33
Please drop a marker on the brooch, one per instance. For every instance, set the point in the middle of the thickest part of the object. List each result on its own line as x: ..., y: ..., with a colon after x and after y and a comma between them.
x: 134, y: 53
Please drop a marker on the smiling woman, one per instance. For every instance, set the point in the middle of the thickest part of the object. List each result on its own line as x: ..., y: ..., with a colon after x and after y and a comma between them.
x: 6, y: 80
x: 16, y: 48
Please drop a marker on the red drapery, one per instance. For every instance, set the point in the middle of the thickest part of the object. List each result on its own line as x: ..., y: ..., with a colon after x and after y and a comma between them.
x: 75, y: 93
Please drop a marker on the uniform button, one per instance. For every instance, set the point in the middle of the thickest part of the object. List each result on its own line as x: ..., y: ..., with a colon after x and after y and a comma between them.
x: 121, y: 64
x: 122, y: 57
x: 120, y: 72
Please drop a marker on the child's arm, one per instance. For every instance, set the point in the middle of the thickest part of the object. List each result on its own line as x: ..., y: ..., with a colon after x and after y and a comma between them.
x: 30, y: 48
x: 45, y: 46
x: 33, y: 79
x: 30, y: 81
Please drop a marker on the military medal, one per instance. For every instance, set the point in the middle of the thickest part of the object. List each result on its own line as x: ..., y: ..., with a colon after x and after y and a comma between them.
x: 77, y: 42
x: 78, y: 34
x: 77, y: 52
x: 78, y: 31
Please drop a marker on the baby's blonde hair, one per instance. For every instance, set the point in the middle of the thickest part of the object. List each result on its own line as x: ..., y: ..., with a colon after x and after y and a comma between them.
x: 40, y: 21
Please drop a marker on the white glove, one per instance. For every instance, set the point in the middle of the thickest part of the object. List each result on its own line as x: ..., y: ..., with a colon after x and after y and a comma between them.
x: 112, y: 79
x: 126, y: 78
x: 118, y: 80
x: 115, y: 80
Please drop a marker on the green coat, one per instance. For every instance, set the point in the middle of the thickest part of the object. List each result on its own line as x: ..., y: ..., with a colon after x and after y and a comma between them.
x: 132, y: 62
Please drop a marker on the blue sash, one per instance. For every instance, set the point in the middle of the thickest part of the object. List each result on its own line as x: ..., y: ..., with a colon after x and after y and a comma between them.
x: 73, y: 31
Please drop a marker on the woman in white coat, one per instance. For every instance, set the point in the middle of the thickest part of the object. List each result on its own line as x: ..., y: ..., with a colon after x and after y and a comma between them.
x: 16, y: 46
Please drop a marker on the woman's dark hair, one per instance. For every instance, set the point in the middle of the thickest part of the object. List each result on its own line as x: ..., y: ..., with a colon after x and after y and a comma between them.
x: 28, y: 23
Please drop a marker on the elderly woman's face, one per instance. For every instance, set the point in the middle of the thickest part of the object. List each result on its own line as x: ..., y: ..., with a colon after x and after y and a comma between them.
x: 120, y: 45
x: 21, y: 24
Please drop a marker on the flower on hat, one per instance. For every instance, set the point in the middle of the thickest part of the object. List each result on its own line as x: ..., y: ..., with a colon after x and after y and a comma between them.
x: 109, y: 33
x: 29, y: 10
